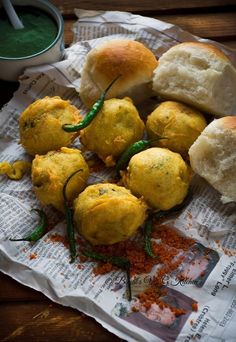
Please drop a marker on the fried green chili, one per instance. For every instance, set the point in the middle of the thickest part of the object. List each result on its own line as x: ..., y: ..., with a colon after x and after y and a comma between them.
x: 147, y: 239
x: 39, y: 231
x: 137, y: 147
x: 69, y: 219
x: 92, y: 113
x: 120, y: 262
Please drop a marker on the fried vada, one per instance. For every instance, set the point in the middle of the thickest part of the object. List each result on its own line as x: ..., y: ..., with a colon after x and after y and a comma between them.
x: 107, y: 213
x: 178, y: 123
x: 160, y: 176
x: 50, y: 171
x: 41, y: 125
x: 115, y: 127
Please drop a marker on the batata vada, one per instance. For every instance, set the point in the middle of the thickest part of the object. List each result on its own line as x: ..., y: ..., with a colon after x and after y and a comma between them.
x: 107, y: 213
x: 41, y: 125
x: 179, y: 123
x: 160, y: 176
x: 50, y: 171
x: 115, y: 127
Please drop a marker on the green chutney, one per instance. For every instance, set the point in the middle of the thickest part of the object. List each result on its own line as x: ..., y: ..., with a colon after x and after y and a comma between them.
x: 39, y: 32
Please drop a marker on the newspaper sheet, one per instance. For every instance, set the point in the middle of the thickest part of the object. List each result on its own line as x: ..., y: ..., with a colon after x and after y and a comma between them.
x: 45, y: 265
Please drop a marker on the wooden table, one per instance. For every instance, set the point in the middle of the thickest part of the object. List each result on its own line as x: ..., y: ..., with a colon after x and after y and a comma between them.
x: 26, y: 315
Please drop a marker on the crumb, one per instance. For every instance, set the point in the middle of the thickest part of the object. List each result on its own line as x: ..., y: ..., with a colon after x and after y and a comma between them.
x: 195, y: 307
x: 33, y: 256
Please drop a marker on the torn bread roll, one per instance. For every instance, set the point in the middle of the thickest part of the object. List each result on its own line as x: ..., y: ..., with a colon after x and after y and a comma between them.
x: 213, y: 156
x: 198, y: 74
x: 130, y: 59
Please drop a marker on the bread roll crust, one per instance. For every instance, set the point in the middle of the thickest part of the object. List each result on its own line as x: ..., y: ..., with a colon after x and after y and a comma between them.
x: 204, y: 46
x: 130, y: 59
x: 229, y: 122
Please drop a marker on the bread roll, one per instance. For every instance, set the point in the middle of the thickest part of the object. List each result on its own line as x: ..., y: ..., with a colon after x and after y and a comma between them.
x: 213, y: 156
x: 130, y: 59
x: 197, y: 74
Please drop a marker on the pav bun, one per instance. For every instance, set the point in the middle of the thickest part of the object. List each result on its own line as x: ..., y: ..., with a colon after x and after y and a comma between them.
x: 198, y: 74
x: 130, y: 59
x: 213, y: 156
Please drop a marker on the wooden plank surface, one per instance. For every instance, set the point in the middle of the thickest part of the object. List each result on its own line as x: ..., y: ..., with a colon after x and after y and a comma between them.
x: 27, y: 315
x: 67, y: 6
x: 12, y: 291
x: 216, y: 26
x: 45, y: 321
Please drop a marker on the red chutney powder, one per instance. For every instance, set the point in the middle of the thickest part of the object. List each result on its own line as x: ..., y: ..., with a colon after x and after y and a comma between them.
x: 139, y: 262
x: 169, y: 244
x: 167, y: 249
x: 54, y: 238
x: 153, y: 295
x: 103, y: 268
x: 33, y: 256
x: 95, y: 164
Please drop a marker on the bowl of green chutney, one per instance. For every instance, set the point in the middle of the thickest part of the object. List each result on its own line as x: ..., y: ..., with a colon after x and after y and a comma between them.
x: 39, y: 42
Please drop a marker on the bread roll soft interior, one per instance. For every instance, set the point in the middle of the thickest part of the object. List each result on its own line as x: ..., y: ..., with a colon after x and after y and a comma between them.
x: 198, y: 74
x: 213, y: 156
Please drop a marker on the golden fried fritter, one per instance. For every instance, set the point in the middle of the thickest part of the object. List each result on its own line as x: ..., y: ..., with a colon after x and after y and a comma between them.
x: 41, y: 125
x: 50, y: 171
x: 16, y: 170
x: 107, y: 213
x: 115, y: 127
x: 159, y: 175
x: 179, y: 123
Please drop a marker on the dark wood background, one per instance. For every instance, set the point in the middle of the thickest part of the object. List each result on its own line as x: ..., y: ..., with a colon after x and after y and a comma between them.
x: 27, y: 315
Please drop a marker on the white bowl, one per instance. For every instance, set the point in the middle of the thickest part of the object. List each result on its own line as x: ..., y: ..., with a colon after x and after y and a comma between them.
x: 12, y: 68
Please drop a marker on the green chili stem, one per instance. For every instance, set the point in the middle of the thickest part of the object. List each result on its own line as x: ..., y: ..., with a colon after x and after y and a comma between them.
x: 128, y: 283
x: 114, y: 260
x: 120, y: 262
x: 92, y: 113
x: 137, y: 147
x: 39, y: 231
x: 69, y: 219
x: 147, y: 239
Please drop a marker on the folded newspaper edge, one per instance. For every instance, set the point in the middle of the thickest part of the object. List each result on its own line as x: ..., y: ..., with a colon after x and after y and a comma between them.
x: 44, y: 266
